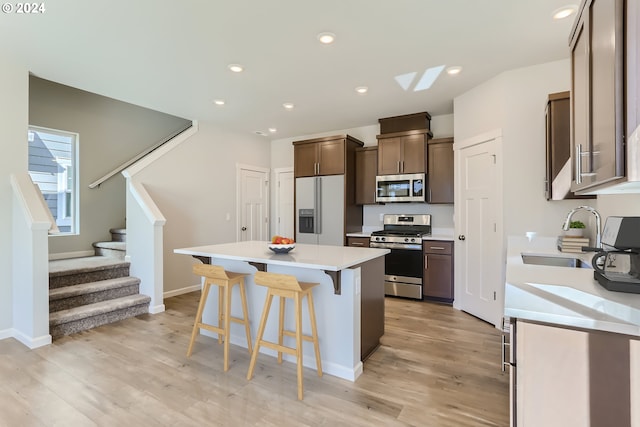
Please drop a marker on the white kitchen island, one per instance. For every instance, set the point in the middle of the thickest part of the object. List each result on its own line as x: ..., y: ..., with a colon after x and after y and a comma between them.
x: 349, y: 302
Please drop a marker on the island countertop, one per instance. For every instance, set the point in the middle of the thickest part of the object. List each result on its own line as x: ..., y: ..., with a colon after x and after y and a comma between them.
x: 317, y: 257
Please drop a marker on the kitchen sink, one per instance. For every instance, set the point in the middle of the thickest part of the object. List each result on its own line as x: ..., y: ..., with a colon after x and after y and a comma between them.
x: 554, y: 261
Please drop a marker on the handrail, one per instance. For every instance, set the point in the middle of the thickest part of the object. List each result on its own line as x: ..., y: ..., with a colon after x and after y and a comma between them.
x: 138, y: 157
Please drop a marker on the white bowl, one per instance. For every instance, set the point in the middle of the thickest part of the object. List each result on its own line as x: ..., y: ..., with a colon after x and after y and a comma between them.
x: 282, y: 249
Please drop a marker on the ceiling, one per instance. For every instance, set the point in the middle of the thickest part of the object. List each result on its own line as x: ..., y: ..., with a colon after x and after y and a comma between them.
x: 172, y: 56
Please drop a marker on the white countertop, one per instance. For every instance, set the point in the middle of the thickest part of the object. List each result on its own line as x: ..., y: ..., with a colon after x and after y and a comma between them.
x: 562, y: 295
x: 317, y: 257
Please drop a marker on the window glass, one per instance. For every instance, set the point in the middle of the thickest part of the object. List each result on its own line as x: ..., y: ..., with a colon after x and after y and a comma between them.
x: 53, y: 168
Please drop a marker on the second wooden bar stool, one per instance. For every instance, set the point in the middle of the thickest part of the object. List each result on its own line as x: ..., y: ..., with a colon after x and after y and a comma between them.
x: 287, y: 286
x: 225, y: 280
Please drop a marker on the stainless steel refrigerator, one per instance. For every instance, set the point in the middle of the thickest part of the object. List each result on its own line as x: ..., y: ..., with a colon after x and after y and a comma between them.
x: 320, y: 210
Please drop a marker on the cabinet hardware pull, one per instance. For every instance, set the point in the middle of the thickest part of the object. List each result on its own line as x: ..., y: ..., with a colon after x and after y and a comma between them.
x: 357, y: 244
x: 426, y: 262
x: 398, y: 166
x: 505, y: 344
x: 578, y: 163
x: 429, y: 195
x: 440, y: 248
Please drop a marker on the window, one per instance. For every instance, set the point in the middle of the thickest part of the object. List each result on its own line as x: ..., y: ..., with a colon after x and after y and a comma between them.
x: 53, y: 168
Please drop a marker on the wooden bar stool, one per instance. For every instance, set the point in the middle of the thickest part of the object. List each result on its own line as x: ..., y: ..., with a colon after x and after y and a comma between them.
x: 286, y: 286
x: 224, y: 280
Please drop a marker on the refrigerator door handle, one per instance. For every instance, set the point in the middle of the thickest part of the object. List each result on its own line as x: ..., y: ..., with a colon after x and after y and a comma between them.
x: 318, y: 206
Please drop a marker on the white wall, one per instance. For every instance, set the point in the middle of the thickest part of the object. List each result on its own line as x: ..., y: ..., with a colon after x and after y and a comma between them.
x: 515, y: 102
x: 14, y: 87
x: 441, y: 126
x: 196, y: 199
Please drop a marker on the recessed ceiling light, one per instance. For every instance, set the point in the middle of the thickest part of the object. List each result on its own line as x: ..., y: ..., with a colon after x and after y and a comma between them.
x: 452, y: 71
x: 362, y: 89
x: 326, y: 38
x: 564, y: 11
x: 218, y: 101
x: 236, y: 68
x: 288, y: 105
x: 273, y: 130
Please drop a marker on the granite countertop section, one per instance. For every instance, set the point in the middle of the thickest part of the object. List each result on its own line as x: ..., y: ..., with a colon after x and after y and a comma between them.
x: 317, y: 257
x: 562, y: 295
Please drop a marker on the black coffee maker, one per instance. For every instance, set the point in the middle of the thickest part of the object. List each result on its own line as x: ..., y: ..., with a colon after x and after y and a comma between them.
x: 617, y: 266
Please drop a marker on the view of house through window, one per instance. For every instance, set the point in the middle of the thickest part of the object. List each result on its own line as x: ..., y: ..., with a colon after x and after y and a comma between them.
x: 53, y: 168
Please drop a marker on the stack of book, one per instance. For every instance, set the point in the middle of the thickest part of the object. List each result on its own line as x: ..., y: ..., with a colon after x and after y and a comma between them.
x: 572, y: 244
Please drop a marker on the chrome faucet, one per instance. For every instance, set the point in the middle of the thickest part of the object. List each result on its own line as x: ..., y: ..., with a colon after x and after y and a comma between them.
x: 567, y: 222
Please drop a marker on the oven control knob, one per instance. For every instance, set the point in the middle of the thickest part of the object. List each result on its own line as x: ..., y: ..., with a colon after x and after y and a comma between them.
x: 383, y: 239
x: 413, y: 240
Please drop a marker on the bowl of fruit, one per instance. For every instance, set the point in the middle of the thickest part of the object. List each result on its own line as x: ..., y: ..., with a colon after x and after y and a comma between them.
x: 282, y: 245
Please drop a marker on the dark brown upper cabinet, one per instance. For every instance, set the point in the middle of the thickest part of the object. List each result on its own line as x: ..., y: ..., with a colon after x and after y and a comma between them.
x: 597, y: 47
x: 366, y: 170
x: 320, y: 156
x: 440, y: 171
x: 402, y: 152
x: 558, y: 148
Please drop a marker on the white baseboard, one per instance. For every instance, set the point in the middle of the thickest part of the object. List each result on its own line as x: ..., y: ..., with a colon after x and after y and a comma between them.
x: 32, y: 342
x: 156, y: 309
x: 67, y: 255
x: 181, y: 291
x: 6, y: 333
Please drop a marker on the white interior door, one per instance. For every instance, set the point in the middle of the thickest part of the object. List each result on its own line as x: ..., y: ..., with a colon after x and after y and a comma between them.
x: 479, y: 280
x: 253, y: 200
x: 284, y: 202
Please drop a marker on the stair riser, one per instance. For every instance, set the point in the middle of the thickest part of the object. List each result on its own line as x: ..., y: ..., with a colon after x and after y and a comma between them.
x: 86, y: 277
x: 90, y: 298
x: 118, y: 237
x: 112, y: 253
x: 58, y: 331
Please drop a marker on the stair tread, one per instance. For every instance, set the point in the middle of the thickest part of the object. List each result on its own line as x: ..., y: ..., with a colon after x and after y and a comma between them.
x: 91, y: 287
x: 118, y: 246
x: 97, y: 308
x: 118, y: 231
x: 62, y: 267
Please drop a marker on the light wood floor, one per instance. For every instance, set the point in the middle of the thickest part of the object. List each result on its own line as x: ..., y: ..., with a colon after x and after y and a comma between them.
x: 436, y: 367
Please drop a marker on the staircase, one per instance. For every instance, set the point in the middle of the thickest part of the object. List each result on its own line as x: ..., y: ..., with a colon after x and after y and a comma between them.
x: 88, y: 292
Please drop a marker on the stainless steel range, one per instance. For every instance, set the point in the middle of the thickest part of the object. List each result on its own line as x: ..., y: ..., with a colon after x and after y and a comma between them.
x: 403, y: 266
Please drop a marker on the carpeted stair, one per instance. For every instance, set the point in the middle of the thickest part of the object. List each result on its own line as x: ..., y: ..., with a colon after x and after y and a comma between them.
x: 116, y: 248
x: 92, y: 291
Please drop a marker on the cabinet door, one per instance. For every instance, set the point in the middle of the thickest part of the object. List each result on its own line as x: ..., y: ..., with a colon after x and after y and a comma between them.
x: 331, y: 157
x: 440, y: 171
x: 607, y: 116
x: 438, y: 278
x: 389, y: 156
x: 366, y: 170
x: 597, y: 53
x: 413, y: 154
x: 305, y: 159
x: 360, y: 242
x: 580, y: 111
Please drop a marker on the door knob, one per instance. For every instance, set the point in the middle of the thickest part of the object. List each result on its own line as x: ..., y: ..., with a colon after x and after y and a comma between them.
x: 461, y: 237
x: 244, y: 229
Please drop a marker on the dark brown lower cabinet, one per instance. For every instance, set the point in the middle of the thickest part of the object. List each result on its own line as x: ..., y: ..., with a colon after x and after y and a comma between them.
x: 437, y: 281
x: 362, y: 242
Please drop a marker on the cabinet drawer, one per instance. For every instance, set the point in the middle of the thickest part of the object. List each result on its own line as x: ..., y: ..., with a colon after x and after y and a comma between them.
x: 437, y: 247
x: 361, y: 242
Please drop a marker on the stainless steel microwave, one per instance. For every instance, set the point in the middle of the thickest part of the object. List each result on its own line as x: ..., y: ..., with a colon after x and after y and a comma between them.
x: 400, y: 188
